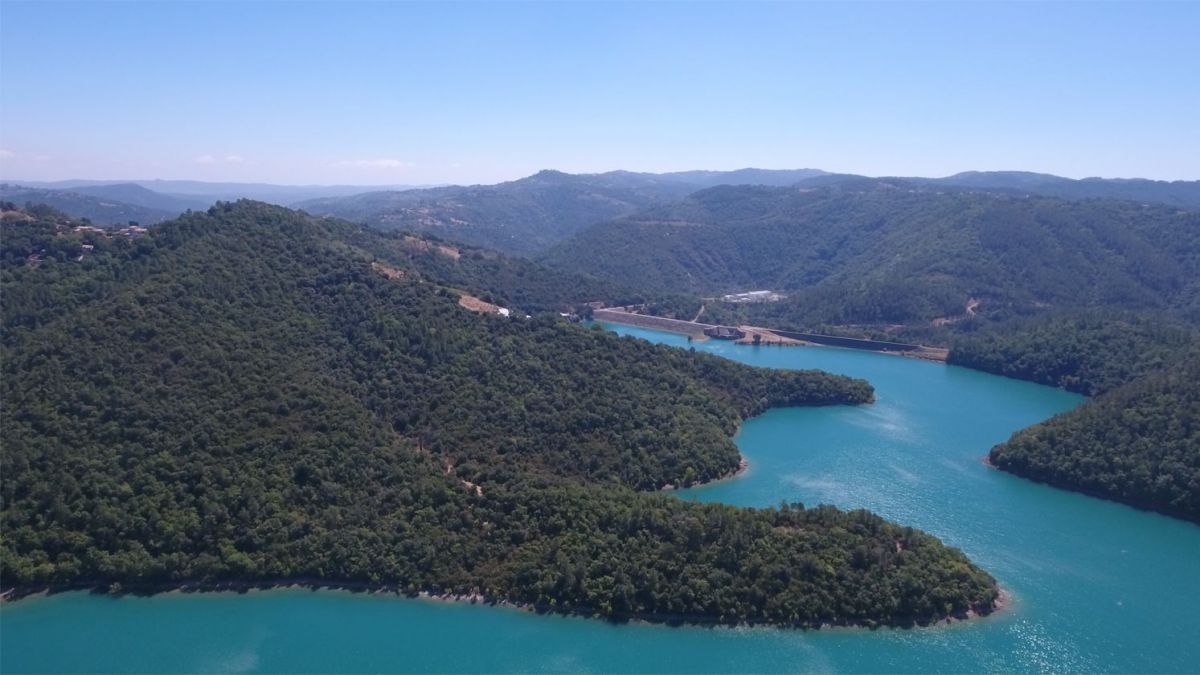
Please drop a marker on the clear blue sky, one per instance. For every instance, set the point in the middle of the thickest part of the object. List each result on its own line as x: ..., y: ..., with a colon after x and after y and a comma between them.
x: 391, y: 93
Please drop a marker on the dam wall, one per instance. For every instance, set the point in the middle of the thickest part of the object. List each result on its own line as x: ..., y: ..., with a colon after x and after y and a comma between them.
x: 652, y: 322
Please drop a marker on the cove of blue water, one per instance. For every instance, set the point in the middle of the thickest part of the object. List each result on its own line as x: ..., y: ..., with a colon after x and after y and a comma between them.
x: 1096, y: 586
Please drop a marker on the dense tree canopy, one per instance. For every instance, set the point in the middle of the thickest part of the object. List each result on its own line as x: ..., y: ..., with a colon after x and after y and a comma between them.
x: 888, y: 252
x: 1138, y: 444
x: 1085, y: 352
x: 520, y: 216
x: 252, y: 394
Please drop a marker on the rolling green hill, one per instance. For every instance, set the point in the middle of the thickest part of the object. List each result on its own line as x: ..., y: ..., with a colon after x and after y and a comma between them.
x: 1086, y: 352
x: 1138, y: 440
x: 254, y: 395
x: 882, y: 252
x: 520, y: 217
x: 1138, y: 444
x: 527, y: 215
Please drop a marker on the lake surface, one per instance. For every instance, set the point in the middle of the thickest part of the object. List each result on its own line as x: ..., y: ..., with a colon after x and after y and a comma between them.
x: 1096, y: 586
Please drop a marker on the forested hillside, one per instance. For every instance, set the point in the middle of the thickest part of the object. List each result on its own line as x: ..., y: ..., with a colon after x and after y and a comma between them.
x: 520, y: 216
x: 526, y: 216
x: 884, y: 253
x: 254, y: 395
x: 1138, y: 440
x: 1138, y: 444
x: 1089, y: 353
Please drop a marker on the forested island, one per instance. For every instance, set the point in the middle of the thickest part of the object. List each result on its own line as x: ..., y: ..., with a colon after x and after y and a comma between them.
x: 253, y: 396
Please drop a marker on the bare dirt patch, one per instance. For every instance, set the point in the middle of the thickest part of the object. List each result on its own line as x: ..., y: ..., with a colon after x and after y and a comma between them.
x: 387, y: 270
x: 423, y: 245
x: 476, y: 305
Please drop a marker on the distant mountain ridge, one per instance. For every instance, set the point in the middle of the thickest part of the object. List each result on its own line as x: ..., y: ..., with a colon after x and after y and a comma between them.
x: 521, y: 216
x: 283, y: 195
x: 528, y: 215
x: 149, y: 202
x: 96, y: 208
x: 748, y: 176
x: 1180, y: 193
x: 132, y: 193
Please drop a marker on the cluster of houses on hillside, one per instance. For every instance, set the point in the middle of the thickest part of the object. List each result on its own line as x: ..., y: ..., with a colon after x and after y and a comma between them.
x: 131, y: 230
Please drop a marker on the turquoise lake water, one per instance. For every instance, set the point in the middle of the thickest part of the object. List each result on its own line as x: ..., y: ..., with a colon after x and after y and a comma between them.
x: 1096, y: 586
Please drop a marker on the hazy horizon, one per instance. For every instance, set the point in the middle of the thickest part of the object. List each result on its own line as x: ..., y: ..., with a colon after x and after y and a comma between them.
x: 381, y: 94
x: 415, y: 186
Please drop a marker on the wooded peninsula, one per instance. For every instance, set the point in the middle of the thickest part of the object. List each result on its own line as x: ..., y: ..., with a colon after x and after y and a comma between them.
x: 252, y: 394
